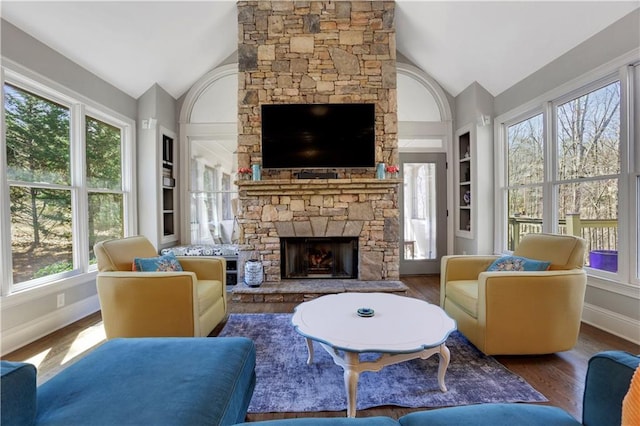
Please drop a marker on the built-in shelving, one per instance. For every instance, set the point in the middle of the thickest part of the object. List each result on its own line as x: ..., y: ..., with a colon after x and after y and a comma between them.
x: 464, y: 198
x: 168, y: 184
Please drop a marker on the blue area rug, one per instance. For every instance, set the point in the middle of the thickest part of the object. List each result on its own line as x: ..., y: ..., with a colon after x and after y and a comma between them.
x: 285, y: 383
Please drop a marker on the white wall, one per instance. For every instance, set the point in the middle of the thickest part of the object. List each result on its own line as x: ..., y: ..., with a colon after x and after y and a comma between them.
x: 612, y: 42
x: 158, y: 105
x: 32, y: 54
x: 472, y: 103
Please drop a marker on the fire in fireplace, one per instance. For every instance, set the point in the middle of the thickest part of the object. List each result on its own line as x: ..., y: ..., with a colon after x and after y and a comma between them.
x: 327, y: 257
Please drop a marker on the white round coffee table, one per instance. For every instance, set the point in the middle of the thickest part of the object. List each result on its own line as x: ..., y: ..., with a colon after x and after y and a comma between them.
x: 401, y: 328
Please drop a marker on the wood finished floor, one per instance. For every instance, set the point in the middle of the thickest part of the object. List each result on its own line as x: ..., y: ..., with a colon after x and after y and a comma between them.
x: 560, y: 376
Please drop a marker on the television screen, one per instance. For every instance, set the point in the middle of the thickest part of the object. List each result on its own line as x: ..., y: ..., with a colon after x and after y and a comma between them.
x: 318, y: 135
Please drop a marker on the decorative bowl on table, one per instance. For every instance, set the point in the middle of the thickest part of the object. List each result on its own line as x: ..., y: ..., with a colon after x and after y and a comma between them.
x: 365, y: 312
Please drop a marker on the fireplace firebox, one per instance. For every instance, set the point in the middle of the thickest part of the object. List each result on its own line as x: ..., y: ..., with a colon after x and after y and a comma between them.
x: 326, y: 257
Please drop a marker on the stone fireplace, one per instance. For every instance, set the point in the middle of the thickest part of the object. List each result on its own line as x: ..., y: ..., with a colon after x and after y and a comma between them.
x: 318, y: 52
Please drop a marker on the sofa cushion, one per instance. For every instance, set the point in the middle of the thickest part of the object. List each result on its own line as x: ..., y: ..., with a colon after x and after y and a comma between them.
x: 491, y: 415
x: 203, y: 250
x: 464, y: 293
x: 165, y: 263
x: 154, y: 381
x: 518, y: 263
x: 328, y: 421
x: 18, y: 393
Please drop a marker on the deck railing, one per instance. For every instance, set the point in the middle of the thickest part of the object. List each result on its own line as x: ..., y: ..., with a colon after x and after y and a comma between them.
x: 600, y: 234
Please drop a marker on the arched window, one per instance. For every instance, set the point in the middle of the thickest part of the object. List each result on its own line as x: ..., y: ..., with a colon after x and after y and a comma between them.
x: 424, y: 114
x: 208, y: 124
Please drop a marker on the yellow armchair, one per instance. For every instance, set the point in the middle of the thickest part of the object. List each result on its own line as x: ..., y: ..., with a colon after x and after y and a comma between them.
x: 518, y: 312
x: 154, y: 304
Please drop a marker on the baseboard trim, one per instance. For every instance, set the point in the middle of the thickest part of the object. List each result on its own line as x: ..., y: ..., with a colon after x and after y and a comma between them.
x: 612, y: 322
x: 17, y: 337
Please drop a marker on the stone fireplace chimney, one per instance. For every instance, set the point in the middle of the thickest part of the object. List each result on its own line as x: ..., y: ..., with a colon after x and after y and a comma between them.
x: 318, y: 52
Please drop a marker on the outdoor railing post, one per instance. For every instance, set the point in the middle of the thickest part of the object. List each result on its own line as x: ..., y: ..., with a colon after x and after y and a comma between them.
x: 574, y: 226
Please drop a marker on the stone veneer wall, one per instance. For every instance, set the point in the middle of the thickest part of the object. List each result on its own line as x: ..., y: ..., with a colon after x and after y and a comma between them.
x: 318, y: 52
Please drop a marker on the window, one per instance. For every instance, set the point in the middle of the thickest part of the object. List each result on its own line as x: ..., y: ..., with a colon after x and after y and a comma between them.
x: 588, y: 167
x: 525, y: 178
x: 563, y: 172
x: 104, y: 182
x: 66, y: 187
x: 39, y: 175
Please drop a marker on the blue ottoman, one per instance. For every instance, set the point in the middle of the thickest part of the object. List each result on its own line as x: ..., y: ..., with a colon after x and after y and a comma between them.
x: 139, y: 381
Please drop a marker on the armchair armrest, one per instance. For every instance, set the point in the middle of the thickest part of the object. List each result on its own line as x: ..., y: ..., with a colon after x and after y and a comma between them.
x: 148, y: 304
x: 465, y: 267
x: 461, y: 267
x: 524, y: 306
x: 206, y: 267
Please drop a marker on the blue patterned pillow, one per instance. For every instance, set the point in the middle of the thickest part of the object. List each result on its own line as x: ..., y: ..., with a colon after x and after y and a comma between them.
x: 165, y: 263
x: 517, y: 263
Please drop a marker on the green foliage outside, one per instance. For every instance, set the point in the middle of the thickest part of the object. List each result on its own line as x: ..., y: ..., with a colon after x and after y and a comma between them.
x: 40, y: 170
x: 54, y: 268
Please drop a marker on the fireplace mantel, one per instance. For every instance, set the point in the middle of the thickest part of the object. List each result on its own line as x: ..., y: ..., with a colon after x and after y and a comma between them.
x: 250, y: 188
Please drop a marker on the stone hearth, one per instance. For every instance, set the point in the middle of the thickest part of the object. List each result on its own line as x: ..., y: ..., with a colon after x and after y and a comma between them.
x: 298, y: 291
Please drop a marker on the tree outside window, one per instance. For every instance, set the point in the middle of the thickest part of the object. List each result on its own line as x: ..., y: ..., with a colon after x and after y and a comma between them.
x: 588, y: 167
x: 525, y: 178
x: 43, y: 182
x: 39, y: 175
x: 104, y: 180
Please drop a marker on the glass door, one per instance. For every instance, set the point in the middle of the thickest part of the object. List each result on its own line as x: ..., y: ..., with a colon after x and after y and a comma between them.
x: 423, y: 213
x: 212, y: 194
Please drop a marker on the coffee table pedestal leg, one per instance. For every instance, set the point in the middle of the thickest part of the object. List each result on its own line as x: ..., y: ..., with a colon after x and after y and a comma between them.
x: 351, y: 376
x: 350, y: 363
x: 310, y: 351
x: 443, y: 364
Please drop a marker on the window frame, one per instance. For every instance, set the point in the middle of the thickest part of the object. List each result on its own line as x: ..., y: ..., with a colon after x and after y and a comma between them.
x: 623, y: 247
x: 79, y: 108
x: 503, y: 227
x: 626, y: 280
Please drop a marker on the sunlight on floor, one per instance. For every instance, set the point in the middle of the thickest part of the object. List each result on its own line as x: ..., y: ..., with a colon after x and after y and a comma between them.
x: 38, y: 358
x: 85, y: 341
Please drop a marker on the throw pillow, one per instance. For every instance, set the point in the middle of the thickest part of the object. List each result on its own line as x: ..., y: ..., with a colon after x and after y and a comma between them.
x: 517, y: 263
x: 165, y: 263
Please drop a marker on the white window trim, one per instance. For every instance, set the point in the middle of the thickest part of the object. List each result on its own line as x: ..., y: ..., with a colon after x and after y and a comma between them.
x: 500, y: 174
x: 79, y: 107
x: 625, y: 282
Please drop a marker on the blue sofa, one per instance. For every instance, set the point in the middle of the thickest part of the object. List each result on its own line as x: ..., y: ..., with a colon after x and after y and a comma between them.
x: 209, y: 381
x: 137, y: 381
x: 607, y: 382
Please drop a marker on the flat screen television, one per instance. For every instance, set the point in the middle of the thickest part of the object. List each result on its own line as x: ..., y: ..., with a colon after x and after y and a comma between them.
x: 318, y: 136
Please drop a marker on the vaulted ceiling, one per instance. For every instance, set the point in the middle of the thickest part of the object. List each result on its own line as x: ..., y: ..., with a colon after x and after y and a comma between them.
x: 135, y: 44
